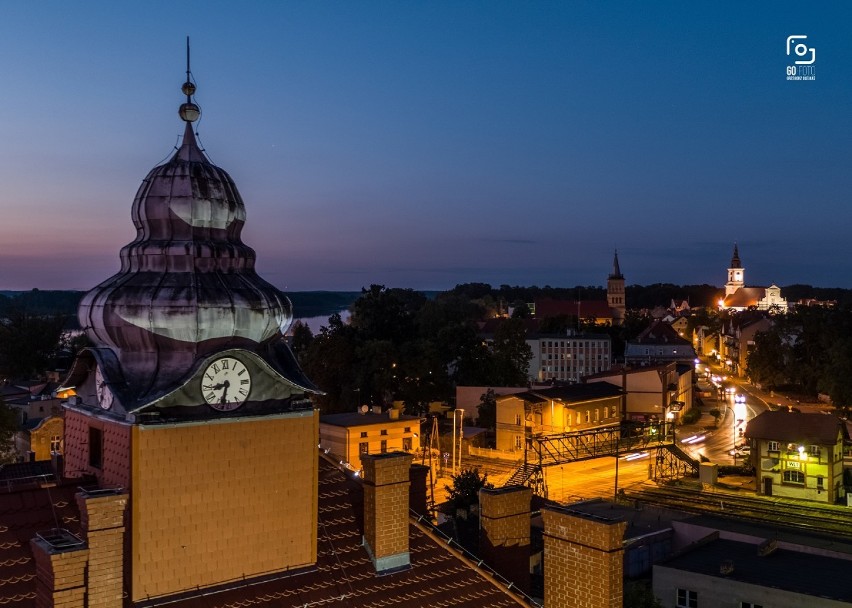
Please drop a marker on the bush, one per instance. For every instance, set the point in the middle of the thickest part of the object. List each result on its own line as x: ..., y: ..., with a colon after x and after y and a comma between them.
x: 691, y: 417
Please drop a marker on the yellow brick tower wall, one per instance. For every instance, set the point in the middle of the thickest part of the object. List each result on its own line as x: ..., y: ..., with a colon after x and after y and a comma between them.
x: 583, y: 560
x: 218, y: 501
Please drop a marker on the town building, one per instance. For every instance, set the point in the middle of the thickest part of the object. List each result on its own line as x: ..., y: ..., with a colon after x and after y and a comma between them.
x: 555, y: 410
x: 599, y: 312
x: 739, y: 297
x: 798, y: 455
x: 350, y: 435
x: 737, y: 340
x: 659, y: 343
x: 651, y: 392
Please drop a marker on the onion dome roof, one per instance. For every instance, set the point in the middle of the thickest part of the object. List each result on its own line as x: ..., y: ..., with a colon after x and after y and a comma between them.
x: 187, y: 285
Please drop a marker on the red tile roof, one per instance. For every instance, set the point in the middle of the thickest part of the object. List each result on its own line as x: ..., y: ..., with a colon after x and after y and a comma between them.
x: 343, y: 576
x: 796, y: 427
x: 23, y: 514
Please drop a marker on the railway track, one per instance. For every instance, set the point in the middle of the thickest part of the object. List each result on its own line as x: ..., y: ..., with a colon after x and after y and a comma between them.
x: 834, y: 521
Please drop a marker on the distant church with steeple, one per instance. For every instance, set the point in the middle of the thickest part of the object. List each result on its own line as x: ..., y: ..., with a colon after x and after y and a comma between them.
x: 615, y: 293
x: 738, y: 297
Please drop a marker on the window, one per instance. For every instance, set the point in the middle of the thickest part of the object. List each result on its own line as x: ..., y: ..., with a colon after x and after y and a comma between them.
x: 384, y: 446
x: 517, y: 442
x: 55, y: 443
x: 579, y: 419
x: 597, y: 415
x: 406, y: 444
x: 773, y: 446
x: 363, y: 448
x: 814, y: 450
x: 363, y: 433
x: 588, y: 416
x: 687, y: 599
x: 794, y: 477
x: 407, y: 429
x: 517, y: 420
x: 606, y: 413
x: 820, y: 484
x: 96, y: 447
x: 384, y: 432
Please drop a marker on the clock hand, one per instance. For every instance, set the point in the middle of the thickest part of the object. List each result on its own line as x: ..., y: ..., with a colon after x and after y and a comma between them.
x: 226, y: 384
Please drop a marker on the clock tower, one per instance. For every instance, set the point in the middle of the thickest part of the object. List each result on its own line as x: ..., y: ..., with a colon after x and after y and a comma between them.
x: 736, y: 274
x: 191, y: 401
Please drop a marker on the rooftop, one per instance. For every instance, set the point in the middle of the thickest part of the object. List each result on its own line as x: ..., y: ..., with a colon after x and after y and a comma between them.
x: 348, y: 419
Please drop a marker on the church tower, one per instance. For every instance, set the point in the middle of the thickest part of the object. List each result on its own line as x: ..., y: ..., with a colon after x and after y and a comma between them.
x: 736, y: 274
x: 615, y: 293
x: 191, y: 402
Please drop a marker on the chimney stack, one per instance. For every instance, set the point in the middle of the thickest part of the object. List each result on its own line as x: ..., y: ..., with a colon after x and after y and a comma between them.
x: 582, y: 547
x: 386, y: 483
x: 504, y: 534
x: 102, y: 518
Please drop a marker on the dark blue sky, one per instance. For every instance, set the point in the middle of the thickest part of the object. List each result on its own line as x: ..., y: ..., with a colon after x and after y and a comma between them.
x: 424, y: 144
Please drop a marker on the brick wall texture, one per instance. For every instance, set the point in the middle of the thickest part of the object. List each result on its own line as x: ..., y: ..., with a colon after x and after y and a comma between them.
x: 583, y: 560
x: 386, y: 483
x: 214, y: 502
x: 60, y: 577
x: 114, y: 471
x: 102, y: 519
x: 504, y: 537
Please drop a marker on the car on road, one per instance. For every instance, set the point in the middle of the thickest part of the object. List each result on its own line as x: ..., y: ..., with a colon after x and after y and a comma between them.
x: 741, y: 451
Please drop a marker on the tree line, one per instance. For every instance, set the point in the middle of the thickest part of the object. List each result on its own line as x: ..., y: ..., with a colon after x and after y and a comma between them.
x: 808, y: 350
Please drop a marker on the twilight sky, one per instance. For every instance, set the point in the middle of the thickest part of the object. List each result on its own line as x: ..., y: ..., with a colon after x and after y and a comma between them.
x: 424, y: 144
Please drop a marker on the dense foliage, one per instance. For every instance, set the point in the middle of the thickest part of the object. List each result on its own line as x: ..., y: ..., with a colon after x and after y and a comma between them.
x: 809, y: 350
x: 27, y: 342
x: 400, y: 345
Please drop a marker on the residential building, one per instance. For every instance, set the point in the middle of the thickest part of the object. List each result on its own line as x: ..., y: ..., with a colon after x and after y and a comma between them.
x: 555, y: 410
x: 40, y: 438
x: 727, y: 572
x: 348, y: 436
x: 798, y: 455
x: 659, y: 343
x: 568, y: 357
x: 738, y: 340
x: 651, y: 392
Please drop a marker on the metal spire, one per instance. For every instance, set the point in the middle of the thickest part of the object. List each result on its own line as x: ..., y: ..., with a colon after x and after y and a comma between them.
x: 189, y: 112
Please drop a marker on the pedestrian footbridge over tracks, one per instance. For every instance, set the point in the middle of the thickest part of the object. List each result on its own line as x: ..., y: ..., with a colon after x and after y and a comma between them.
x: 544, y: 450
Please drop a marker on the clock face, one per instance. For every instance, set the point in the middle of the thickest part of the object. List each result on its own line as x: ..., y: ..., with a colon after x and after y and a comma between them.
x: 105, y: 396
x: 226, y: 384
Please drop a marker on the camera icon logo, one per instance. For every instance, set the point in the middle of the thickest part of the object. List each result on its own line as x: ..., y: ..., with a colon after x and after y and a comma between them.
x: 800, y: 49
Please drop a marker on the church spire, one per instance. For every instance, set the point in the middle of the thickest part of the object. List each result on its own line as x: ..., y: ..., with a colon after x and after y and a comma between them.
x: 616, y: 270
x: 735, y: 260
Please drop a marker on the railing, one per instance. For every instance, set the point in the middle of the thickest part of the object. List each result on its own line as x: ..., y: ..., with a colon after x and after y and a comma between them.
x: 602, y: 441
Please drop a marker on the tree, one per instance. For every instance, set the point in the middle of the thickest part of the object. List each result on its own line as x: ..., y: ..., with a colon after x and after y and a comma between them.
x: 464, y: 491
x: 512, y: 354
x: 717, y: 414
x: 302, y: 338
x: 487, y: 409
x: 9, y: 425
x: 27, y: 342
x: 520, y: 310
x: 638, y: 594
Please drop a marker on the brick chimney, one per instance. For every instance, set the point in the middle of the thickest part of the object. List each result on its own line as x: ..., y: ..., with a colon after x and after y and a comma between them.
x: 504, y: 534
x: 583, y: 559
x: 386, y: 483
x: 102, y: 518
x: 60, y: 572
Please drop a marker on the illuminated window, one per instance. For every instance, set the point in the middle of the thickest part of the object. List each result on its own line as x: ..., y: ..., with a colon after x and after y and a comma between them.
x: 55, y: 443
x: 406, y: 444
x: 517, y: 442
x: 606, y: 412
x: 773, y: 446
x: 597, y: 415
x: 588, y: 416
x: 814, y: 450
x: 687, y: 598
x: 794, y: 477
x: 517, y: 420
x: 579, y: 419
